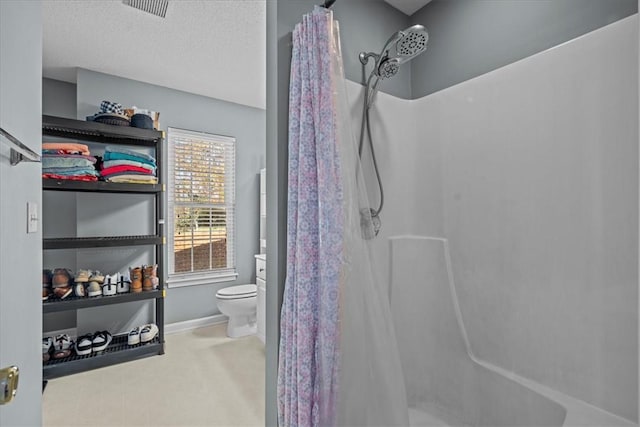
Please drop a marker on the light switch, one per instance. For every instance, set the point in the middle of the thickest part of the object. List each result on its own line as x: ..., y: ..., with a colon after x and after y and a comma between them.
x: 32, y: 217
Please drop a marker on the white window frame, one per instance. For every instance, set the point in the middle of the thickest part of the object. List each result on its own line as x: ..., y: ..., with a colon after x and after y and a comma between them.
x: 177, y: 280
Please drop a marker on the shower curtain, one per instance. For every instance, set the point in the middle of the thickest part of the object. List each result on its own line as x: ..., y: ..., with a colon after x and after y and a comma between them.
x: 338, y: 360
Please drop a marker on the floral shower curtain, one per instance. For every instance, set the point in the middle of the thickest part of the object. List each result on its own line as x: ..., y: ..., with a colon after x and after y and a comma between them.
x: 338, y: 360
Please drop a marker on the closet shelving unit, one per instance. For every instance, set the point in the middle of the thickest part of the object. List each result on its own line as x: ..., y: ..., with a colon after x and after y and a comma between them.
x: 118, y: 351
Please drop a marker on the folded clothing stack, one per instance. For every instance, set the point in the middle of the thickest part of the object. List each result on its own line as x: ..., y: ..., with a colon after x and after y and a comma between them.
x: 123, y: 165
x: 68, y: 160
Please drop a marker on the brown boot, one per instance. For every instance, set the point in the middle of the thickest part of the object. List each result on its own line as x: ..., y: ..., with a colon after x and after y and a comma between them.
x: 150, y: 281
x: 136, y: 279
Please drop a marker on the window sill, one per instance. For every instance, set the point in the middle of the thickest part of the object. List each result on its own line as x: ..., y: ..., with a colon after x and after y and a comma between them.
x: 188, y: 280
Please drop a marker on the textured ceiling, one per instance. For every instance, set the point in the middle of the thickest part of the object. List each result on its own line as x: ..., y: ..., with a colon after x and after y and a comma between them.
x: 214, y: 48
x: 409, y: 7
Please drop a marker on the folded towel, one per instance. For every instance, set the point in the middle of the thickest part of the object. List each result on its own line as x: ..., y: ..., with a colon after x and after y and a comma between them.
x: 45, y: 153
x: 67, y: 146
x: 128, y: 169
x: 70, y: 178
x: 134, y: 179
x: 71, y: 171
x: 112, y: 163
x: 65, y: 162
x: 119, y: 150
x: 119, y: 156
x: 61, y: 152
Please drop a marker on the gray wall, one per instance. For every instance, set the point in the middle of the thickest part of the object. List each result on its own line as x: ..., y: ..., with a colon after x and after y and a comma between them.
x: 468, y: 38
x: 365, y: 25
x: 58, y: 98
x: 186, y: 111
x: 20, y: 253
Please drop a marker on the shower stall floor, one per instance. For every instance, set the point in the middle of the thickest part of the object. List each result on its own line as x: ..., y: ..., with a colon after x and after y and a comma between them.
x: 421, y: 418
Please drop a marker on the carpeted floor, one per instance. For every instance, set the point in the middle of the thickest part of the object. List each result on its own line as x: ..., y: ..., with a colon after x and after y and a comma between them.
x: 203, y: 379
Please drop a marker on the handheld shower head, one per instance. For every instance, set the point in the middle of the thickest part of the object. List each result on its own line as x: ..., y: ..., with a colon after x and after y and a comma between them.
x: 401, y: 47
x: 413, y: 42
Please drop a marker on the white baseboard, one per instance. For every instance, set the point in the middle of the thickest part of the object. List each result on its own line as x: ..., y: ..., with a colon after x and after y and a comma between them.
x: 187, y: 325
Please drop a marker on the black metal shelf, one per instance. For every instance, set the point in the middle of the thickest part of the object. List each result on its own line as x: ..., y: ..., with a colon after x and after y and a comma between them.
x: 99, y: 186
x: 99, y: 132
x: 73, y: 303
x: 99, y: 242
x: 117, y: 352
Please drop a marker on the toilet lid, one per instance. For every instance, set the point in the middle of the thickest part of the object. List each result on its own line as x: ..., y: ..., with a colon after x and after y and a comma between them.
x: 240, y: 291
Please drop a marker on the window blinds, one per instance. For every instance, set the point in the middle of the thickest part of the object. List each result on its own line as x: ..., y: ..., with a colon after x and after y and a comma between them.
x: 201, y: 203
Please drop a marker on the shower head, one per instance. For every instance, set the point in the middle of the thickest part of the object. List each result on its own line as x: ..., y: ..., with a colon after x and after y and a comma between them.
x: 413, y: 42
x: 401, y: 47
x: 388, y: 68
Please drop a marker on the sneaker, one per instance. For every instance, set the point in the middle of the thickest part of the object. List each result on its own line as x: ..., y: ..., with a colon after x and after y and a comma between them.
x: 96, y: 276
x: 133, y: 337
x: 94, y: 289
x: 82, y: 276
x: 79, y: 290
x: 62, y: 293
x: 113, y: 279
x: 109, y: 289
x: 84, y: 345
x: 62, y: 346
x: 100, y: 341
x: 122, y: 287
x: 47, y: 348
x: 148, y: 332
x: 45, y: 294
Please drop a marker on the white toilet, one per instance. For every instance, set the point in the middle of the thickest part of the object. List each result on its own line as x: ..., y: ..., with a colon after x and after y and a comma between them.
x: 239, y: 304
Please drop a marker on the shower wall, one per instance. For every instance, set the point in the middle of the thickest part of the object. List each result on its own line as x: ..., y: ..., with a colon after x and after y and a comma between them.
x: 540, y: 204
x: 531, y: 172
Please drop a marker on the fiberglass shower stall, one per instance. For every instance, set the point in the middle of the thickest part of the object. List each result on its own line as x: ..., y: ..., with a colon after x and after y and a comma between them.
x: 509, y: 236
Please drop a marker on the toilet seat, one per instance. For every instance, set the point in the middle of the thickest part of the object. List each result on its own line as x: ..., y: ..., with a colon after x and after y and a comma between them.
x: 237, y: 292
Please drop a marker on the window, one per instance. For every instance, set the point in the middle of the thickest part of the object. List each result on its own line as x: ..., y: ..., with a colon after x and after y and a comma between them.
x: 201, y: 208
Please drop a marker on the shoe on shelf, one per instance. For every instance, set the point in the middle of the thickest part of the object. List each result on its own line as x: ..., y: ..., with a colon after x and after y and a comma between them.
x: 100, y: 341
x: 149, y: 277
x: 109, y: 289
x: 94, y: 289
x: 62, y: 293
x: 45, y: 294
x: 133, y: 337
x: 62, y: 346
x: 148, y: 332
x: 124, y: 283
x: 82, y: 276
x: 96, y: 276
x: 78, y: 290
x: 47, y: 348
x: 84, y: 345
x: 136, y: 279
x: 110, y: 279
x: 62, y: 278
x: 46, y: 278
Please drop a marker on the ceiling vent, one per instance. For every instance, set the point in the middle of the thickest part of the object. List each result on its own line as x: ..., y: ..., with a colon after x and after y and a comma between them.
x: 154, y: 7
